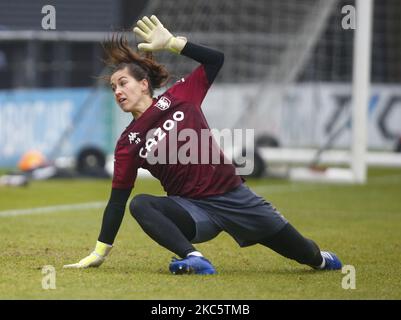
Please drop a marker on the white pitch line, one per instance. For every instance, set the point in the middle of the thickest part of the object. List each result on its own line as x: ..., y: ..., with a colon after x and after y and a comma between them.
x: 387, y: 179
x: 52, y: 209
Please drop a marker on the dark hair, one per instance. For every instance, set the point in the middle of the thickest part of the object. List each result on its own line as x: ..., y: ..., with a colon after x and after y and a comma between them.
x: 119, y: 55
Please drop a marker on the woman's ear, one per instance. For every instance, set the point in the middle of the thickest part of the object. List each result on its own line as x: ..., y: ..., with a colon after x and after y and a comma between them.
x: 144, y: 85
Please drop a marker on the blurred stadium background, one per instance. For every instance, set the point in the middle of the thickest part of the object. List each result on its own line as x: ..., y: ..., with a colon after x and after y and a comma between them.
x: 288, y: 74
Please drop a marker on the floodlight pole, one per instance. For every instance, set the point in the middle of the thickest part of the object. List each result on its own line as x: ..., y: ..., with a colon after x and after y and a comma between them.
x: 360, y: 91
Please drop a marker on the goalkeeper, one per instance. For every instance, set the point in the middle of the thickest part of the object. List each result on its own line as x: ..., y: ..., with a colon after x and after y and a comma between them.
x: 202, y: 199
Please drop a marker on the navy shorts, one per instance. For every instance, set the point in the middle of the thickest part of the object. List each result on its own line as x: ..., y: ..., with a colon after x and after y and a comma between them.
x: 247, y: 217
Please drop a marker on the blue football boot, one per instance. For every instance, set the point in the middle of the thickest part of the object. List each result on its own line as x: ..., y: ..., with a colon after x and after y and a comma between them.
x: 191, y: 265
x: 332, y: 261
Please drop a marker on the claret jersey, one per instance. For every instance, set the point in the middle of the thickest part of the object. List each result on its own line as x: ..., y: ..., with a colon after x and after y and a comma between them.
x: 182, y: 163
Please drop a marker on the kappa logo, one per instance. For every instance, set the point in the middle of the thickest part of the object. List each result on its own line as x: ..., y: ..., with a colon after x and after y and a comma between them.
x: 163, y: 103
x: 133, y: 137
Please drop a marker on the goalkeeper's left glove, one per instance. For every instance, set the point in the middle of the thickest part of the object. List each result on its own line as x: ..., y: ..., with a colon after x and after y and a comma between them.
x: 157, y: 37
x: 95, y: 259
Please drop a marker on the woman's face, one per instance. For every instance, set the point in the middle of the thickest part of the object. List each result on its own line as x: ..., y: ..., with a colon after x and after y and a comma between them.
x: 128, y: 92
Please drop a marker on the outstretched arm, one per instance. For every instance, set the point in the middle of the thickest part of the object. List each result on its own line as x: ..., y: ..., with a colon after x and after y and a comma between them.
x: 112, y: 218
x: 156, y: 37
x: 113, y: 215
x: 211, y: 59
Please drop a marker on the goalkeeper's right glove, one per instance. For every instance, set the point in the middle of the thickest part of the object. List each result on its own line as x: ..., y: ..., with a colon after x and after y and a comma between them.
x: 95, y: 259
x: 157, y: 36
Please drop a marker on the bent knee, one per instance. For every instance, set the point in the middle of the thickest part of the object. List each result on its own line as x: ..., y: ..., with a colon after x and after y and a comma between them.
x: 140, y: 204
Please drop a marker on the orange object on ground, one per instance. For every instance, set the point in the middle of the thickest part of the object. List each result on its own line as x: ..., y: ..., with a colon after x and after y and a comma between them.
x: 31, y: 160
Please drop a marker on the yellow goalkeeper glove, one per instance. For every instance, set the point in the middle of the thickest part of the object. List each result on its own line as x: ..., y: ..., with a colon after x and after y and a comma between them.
x: 95, y: 259
x: 157, y: 37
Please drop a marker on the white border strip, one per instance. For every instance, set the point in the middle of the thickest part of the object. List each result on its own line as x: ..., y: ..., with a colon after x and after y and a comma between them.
x: 52, y: 209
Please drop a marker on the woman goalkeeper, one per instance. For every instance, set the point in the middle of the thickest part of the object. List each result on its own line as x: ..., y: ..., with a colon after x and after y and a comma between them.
x: 202, y: 199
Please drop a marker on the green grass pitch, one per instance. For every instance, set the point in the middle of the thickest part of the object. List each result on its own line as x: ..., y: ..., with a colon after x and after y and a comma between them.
x: 362, y: 224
